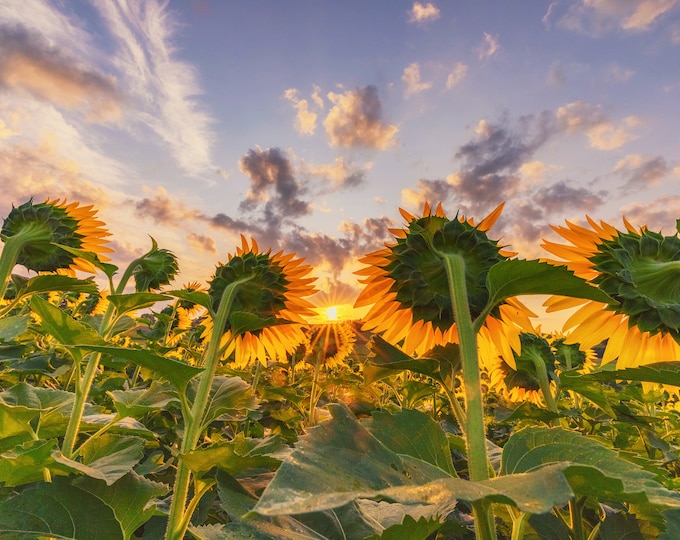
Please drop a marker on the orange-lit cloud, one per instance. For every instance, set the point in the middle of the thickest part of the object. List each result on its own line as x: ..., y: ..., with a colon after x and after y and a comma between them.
x: 608, y: 136
x: 305, y: 121
x: 202, y: 244
x: 28, y: 63
x: 423, y: 13
x: 356, y: 120
x: 597, y: 16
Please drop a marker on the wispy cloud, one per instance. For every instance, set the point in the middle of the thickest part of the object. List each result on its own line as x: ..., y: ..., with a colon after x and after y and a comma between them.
x: 165, y: 88
x: 489, y: 47
x: 412, y: 81
x: 356, y: 120
x: 597, y: 16
x: 423, y: 13
x: 641, y: 172
x: 457, y: 75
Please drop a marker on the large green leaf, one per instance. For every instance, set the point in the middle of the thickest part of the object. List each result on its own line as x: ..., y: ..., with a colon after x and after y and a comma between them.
x: 64, y: 328
x: 138, y: 401
x: 590, y: 467
x: 58, y: 510
x: 176, y: 372
x: 195, y: 297
x: 515, y: 277
x: 92, y: 258
x: 132, y: 498
x: 24, y: 463
x: 387, y: 359
x: 340, y: 461
x: 591, y: 389
x: 238, y: 455
x: 413, y: 433
x: 112, y: 455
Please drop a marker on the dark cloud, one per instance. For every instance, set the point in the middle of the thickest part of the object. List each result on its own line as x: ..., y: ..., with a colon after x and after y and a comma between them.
x: 164, y: 209
x: 561, y: 196
x: 272, y: 180
x: 639, y: 173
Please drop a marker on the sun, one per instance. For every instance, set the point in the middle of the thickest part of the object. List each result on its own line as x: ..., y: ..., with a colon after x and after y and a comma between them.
x: 331, y: 313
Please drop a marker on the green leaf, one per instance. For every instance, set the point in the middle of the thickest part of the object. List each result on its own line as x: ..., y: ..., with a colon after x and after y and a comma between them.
x: 241, y: 321
x: 340, y: 461
x: 195, y: 297
x: 228, y: 395
x: 112, y: 455
x: 415, y: 434
x: 92, y: 258
x: 619, y: 526
x: 386, y: 356
x: 175, y: 372
x: 11, y: 327
x: 54, y: 282
x: 24, y: 463
x: 409, y: 528
x: 60, y: 510
x: 139, y: 401
x: 132, y: 498
x: 515, y: 277
x: 658, y: 372
x: 64, y: 328
x: 590, y: 467
x: 130, y: 302
x: 593, y: 390
x: 237, y: 455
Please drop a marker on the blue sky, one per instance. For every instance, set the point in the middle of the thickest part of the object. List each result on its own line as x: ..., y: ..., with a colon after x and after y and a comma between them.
x: 307, y: 124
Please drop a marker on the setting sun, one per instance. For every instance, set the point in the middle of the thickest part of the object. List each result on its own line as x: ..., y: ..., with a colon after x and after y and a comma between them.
x: 332, y: 313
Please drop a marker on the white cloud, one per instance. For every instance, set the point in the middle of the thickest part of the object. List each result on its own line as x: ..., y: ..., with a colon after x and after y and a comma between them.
x: 423, y: 13
x: 411, y: 78
x: 608, y: 136
x: 457, y: 75
x: 166, y: 88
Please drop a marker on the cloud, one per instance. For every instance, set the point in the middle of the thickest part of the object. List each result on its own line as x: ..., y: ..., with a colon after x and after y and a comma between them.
x: 489, y: 47
x: 341, y: 174
x: 202, y: 244
x: 305, y: 121
x: 411, y: 78
x: 272, y: 182
x: 608, y: 136
x: 556, y: 75
x: 594, y: 17
x: 164, y: 87
x: 660, y: 214
x: 561, y: 196
x: 640, y: 172
x: 456, y: 76
x: 423, y: 13
x: 29, y: 63
x: 165, y: 210
x: 355, y: 120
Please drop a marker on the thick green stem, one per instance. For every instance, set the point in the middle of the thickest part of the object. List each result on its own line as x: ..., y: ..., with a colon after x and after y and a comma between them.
x: 543, y: 381
x: 83, y: 386
x: 475, y: 433
x: 311, y: 416
x: 178, y: 520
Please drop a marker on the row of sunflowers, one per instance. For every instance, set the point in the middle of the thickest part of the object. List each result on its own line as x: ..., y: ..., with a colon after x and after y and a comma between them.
x: 130, y: 408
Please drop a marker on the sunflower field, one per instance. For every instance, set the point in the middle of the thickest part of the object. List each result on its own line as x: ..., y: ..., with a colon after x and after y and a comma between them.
x: 132, y: 407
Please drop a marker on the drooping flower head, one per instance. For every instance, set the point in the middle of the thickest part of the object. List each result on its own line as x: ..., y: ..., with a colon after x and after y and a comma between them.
x: 640, y: 270
x: 407, y: 285
x: 155, y: 269
x: 41, y: 225
x: 517, y: 377
x: 277, y: 288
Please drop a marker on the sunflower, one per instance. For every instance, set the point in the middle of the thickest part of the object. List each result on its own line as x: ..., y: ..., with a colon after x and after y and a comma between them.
x: 155, y: 269
x: 330, y: 342
x: 640, y: 270
x: 35, y: 228
x: 276, y: 289
x: 406, y: 282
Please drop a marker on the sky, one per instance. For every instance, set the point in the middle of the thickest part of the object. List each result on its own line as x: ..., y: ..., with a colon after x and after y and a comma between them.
x: 307, y: 124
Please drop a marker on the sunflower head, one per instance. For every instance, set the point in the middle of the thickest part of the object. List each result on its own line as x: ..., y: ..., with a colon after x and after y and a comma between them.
x: 155, y: 269
x: 571, y: 355
x: 641, y: 271
x: 275, y: 286
x: 331, y: 343
x: 41, y: 226
x: 407, y: 284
